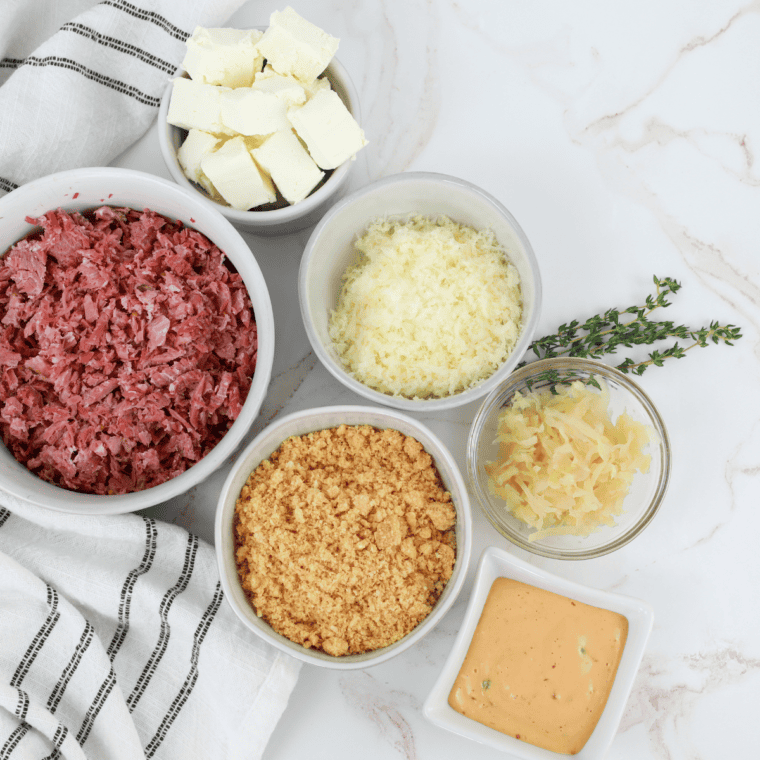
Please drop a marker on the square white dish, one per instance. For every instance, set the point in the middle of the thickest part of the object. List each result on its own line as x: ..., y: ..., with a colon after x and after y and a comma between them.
x: 496, y: 563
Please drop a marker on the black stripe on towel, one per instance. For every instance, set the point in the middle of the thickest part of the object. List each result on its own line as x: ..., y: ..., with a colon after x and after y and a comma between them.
x: 120, y: 45
x: 149, y: 16
x: 163, y: 638
x: 100, y: 699
x: 22, y: 708
x: 12, y: 741
x: 8, y: 186
x: 84, y: 642
x: 34, y: 648
x: 125, y: 602
x: 21, y: 711
x: 114, y: 84
x: 192, y: 677
x: 5, y: 513
x: 60, y: 736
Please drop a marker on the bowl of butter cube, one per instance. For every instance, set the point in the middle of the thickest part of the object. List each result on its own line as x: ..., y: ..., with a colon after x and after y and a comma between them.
x: 263, y: 123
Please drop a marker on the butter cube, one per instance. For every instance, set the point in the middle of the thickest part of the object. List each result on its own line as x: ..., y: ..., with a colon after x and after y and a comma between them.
x: 288, y: 163
x: 309, y: 88
x: 196, y: 146
x: 254, y: 141
x: 292, y: 45
x: 235, y: 175
x: 285, y: 87
x: 195, y: 105
x: 223, y: 56
x: 252, y: 112
x: 331, y: 134
x: 322, y: 83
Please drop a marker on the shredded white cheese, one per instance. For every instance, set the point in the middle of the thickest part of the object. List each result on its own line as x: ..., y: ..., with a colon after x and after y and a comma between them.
x: 429, y: 309
x: 563, y: 466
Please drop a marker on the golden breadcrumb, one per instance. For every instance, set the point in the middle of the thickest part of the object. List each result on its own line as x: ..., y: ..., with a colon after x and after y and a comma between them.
x: 345, y: 538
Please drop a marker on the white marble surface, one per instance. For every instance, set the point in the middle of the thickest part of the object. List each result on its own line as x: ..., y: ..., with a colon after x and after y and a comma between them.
x: 625, y: 139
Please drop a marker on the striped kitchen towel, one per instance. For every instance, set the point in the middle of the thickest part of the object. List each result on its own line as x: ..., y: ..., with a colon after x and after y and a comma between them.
x: 116, y: 643
x: 80, y: 82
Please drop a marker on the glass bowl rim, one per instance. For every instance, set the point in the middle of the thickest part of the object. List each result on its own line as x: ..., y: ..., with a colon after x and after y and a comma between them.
x: 507, y: 388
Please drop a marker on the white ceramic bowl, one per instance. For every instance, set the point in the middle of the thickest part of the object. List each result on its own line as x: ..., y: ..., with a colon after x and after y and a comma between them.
x: 277, y: 221
x: 330, y: 250
x: 81, y: 189
x: 496, y: 563
x: 310, y: 420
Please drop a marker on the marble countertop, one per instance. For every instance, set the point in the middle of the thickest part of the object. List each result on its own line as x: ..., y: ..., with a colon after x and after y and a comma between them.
x: 624, y: 137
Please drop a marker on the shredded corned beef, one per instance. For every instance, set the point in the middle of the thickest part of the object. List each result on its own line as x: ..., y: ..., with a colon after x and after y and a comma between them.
x: 127, y: 349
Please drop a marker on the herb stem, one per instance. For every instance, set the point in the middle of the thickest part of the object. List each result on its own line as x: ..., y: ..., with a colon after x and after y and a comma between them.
x: 604, y: 334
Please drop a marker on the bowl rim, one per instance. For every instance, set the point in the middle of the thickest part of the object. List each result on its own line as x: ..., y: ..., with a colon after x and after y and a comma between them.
x: 274, y: 436
x: 405, y: 404
x: 72, y: 502
x: 272, y: 217
x: 494, y: 563
x: 495, y: 400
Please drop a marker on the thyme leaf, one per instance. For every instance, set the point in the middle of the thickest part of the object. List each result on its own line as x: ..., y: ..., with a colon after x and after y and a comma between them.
x: 604, y: 334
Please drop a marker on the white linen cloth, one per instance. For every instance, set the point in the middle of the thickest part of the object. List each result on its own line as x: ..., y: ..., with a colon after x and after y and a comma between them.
x: 115, y: 639
x: 116, y: 643
x: 80, y: 82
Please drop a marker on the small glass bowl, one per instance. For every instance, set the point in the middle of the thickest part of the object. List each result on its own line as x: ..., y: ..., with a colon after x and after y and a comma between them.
x: 641, y: 503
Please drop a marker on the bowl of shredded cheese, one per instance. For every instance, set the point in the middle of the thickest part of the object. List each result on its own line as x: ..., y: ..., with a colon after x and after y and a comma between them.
x: 569, y: 458
x: 419, y: 291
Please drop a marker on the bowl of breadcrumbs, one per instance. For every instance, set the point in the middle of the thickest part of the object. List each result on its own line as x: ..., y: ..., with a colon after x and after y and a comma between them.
x: 343, y: 534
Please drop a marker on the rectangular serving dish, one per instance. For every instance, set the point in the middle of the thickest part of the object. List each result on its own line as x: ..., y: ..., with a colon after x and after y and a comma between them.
x: 496, y: 563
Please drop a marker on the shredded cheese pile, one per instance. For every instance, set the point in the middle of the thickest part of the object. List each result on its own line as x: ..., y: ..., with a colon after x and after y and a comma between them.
x: 429, y: 309
x: 563, y: 466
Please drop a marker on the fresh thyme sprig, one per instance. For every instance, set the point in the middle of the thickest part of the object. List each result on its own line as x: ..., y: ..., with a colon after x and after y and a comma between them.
x: 605, y: 333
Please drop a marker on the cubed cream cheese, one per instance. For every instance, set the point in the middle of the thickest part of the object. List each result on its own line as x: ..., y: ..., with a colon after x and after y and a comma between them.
x: 331, y: 134
x: 195, y: 105
x: 197, y: 144
x: 258, y: 134
x: 292, y: 45
x: 226, y: 57
x: 236, y: 176
x: 252, y: 112
x: 254, y: 141
x: 292, y: 169
x: 285, y: 87
x: 309, y: 88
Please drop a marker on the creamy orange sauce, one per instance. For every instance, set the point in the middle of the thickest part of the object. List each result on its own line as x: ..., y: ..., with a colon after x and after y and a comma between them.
x: 540, y: 666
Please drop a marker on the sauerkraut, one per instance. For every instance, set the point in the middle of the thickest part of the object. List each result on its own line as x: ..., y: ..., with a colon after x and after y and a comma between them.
x: 564, y: 467
x: 429, y: 309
